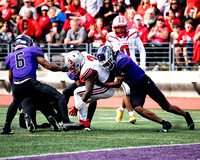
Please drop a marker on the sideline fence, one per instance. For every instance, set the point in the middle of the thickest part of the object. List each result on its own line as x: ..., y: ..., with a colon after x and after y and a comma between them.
x: 158, y: 58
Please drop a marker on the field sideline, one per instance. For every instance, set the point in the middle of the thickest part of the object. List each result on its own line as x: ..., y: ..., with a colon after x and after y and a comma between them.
x: 114, y: 102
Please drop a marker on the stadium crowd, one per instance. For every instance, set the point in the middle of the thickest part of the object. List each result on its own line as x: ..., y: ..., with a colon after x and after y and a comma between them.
x: 73, y: 22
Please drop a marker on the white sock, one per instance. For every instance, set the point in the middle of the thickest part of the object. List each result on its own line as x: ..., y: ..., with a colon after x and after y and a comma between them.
x: 130, y: 113
x: 122, y: 109
x: 82, y: 114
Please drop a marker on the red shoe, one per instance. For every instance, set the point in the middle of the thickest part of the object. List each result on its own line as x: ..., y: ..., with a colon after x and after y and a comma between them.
x: 86, y: 123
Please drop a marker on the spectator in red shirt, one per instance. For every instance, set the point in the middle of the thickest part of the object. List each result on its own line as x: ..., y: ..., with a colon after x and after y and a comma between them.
x: 191, y: 4
x: 44, y: 22
x: 143, y: 31
x: 185, y: 36
x: 197, y: 34
x: 30, y: 27
x: 36, y: 26
x: 75, y: 10
x: 171, y: 20
x: 39, y: 3
x: 26, y: 27
x: 159, y: 33
x: 6, y: 10
x: 98, y: 32
x: 144, y: 5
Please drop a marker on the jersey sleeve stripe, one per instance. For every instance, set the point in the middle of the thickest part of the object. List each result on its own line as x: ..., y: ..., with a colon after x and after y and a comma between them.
x: 131, y: 35
x: 114, y: 37
x: 86, y: 74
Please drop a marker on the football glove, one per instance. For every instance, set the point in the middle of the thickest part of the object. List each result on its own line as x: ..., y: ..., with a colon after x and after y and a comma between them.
x: 73, y: 111
x: 64, y: 69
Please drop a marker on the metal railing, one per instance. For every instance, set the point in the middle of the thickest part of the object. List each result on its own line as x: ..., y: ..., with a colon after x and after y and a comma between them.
x: 157, y: 57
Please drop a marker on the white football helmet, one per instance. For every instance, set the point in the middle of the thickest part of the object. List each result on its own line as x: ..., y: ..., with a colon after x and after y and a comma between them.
x: 74, y: 61
x: 105, y: 57
x: 120, y: 22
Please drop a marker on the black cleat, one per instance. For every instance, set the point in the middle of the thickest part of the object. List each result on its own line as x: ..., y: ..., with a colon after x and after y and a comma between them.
x: 6, y: 131
x: 166, y: 127
x: 54, y: 124
x: 189, y: 121
x: 29, y: 123
x: 72, y: 126
x: 43, y: 125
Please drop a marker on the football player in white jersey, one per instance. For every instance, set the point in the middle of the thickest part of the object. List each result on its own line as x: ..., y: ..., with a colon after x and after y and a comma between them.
x: 91, y: 72
x: 126, y: 40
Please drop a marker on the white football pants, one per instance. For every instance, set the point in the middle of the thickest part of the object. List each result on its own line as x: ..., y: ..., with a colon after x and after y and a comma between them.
x: 98, y: 92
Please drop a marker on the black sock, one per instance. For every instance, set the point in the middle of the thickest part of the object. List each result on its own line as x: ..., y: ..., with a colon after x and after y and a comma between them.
x: 163, y: 122
x: 91, y: 109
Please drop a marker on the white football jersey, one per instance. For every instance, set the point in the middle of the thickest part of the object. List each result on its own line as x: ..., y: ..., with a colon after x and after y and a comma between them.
x: 91, y: 64
x: 127, y: 44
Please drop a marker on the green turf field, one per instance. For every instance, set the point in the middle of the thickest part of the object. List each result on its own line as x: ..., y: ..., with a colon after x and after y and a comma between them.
x: 106, y: 133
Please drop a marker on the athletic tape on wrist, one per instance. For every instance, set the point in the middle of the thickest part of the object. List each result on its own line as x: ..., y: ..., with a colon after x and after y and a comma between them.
x: 80, y: 104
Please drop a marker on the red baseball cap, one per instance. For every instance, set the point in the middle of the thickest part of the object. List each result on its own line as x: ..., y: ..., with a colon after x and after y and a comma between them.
x: 154, y: 4
x: 161, y: 17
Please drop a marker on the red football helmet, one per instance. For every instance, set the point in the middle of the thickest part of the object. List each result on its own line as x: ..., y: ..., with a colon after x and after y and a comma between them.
x: 120, y: 25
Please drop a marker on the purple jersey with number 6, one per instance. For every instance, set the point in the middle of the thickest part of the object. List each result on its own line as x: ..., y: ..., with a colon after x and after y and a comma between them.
x: 125, y: 67
x: 23, y: 62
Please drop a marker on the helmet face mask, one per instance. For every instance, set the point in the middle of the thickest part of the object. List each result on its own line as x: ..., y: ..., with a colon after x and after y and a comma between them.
x: 22, y: 41
x: 74, y: 61
x: 105, y: 58
x: 120, y: 25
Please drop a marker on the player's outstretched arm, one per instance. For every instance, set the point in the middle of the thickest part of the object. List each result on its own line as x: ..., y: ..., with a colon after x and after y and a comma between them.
x: 115, y: 84
x: 48, y: 65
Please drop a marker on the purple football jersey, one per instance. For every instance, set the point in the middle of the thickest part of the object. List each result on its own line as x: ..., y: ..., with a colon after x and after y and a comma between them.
x: 129, y: 69
x: 73, y: 77
x: 23, y: 62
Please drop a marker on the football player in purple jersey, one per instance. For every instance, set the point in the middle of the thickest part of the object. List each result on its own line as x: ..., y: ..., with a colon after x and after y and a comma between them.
x: 140, y: 84
x: 22, y: 65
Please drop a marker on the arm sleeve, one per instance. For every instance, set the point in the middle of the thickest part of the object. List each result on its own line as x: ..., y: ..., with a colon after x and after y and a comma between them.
x: 142, y: 51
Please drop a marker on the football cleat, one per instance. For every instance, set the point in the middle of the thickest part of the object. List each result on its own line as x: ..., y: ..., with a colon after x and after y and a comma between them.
x: 166, y: 127
x: 54, y: 124
x: 29, y: 123
x: 43, y: 125
x: 6, y: 131
x: 119, y: 116
x: 189, y: 121
x: 72, y: 126
x: 86, y: 125
x: 132, y: 119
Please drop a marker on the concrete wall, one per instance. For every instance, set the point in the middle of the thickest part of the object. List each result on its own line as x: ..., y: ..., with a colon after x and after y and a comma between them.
x: 172, y: 84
